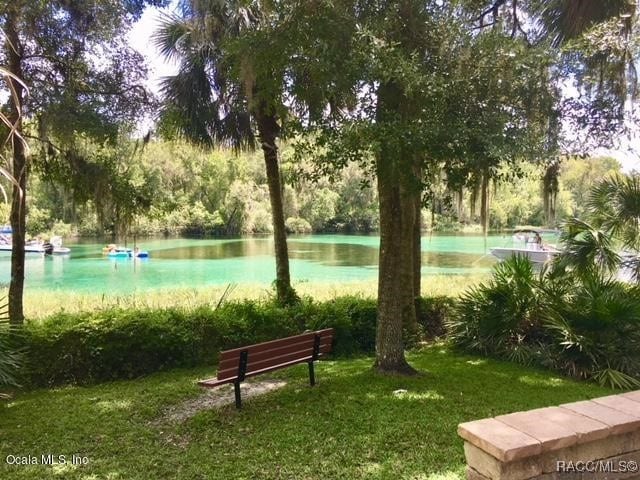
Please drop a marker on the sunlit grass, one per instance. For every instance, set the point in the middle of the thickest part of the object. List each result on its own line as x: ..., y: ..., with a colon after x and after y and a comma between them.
x: 354, y: 424
x: 39, y: 304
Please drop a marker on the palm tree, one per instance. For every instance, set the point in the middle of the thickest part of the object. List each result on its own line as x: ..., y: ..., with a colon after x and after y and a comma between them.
x: 587, y: 250
x: 613, y: 224
x: 614, y: 205
x: 565, y: 20
x: 218, y: 97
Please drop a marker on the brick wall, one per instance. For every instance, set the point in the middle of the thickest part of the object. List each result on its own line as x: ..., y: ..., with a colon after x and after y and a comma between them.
x: 594, y: 439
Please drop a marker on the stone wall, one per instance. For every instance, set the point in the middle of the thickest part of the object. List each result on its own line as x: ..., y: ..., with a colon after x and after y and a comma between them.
x: 594, y: 439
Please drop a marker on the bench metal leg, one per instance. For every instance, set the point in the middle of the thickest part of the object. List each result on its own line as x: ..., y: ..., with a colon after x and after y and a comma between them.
x: 236, y: 388
x: 312, y: 375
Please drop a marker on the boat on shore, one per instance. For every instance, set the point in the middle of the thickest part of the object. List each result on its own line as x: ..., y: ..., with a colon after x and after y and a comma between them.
x: 38, y: 247
x: 528, y: 243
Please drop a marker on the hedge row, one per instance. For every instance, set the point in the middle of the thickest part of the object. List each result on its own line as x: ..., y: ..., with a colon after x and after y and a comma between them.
x: 115, y: 344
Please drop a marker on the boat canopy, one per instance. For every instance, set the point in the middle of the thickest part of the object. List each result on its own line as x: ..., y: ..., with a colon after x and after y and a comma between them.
x: 539, y: 231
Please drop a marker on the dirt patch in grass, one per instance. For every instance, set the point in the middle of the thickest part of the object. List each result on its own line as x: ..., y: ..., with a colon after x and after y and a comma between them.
x: 216, y: 398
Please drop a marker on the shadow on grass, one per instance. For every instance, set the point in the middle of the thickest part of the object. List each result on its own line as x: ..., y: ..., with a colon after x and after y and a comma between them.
x: 353, y: 424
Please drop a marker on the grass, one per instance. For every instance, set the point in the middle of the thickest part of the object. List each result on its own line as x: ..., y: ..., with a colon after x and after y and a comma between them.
x: 351, y: 425
x: 38, y: 304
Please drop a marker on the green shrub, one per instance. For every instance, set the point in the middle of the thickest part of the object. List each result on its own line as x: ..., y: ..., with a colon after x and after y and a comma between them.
x: 297, y: 225
x: 501, y: 317
x: 113, y: 344
x: 595, y: 332
x: 433, y: 313
x: 10, y: 354
x: 353, y: 318
x: 583, y: 326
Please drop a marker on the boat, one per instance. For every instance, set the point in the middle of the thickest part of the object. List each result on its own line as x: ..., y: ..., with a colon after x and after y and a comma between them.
x: 32, y: 246
x: 29, y: 248
x: 114, y: 251
x: 58, y: 249
x: 528, y: 243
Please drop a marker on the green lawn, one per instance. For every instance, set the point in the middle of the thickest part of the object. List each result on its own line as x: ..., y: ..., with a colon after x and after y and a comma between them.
x: 351, y: 425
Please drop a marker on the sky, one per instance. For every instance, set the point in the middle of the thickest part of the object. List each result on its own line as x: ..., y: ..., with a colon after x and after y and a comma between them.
x: 140, y: 38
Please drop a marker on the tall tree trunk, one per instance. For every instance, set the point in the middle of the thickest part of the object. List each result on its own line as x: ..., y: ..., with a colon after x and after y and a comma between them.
x: 550, y: 188
x: 416, y: 253
x: 395, y: 278
x: 268, y: 130
x: 13, y: 49
x: 408, y: 244
x: 460, y: 205
x: 484, y: 203
x: 391, y: 312
x: 417, y: 242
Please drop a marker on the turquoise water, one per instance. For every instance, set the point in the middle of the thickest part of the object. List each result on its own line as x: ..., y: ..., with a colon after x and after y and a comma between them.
x: 201, y: 262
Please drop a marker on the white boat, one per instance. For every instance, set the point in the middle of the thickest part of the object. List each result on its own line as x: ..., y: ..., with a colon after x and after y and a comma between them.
x: 528, y: 243
x: 37, y: 247
x: 58, y: 249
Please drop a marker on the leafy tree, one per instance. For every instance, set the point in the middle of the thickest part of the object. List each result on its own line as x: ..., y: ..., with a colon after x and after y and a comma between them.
x: 579, y: 175
x: 597, y: 42
x: 53, y: 47
x: 223, y: 93
x: 506, y: 111
x: 380, y: 90
x: 359, y: 74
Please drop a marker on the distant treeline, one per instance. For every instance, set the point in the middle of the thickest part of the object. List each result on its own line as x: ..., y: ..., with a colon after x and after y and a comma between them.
x: 175, y: 188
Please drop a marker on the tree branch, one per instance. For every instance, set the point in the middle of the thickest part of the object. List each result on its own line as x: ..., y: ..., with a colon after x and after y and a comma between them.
x: 492, y: 9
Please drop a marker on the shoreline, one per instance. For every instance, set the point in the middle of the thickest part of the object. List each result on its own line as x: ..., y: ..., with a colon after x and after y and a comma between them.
x: 41, y: 304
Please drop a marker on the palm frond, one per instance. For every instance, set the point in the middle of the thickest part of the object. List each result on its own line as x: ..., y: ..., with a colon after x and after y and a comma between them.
x: 204, y: 102
x: 568, y: 19
x: 614, y: 205
x: 173, y: 37
x: 11, y: 358
x: 610, y: 377
x: 586, y: 248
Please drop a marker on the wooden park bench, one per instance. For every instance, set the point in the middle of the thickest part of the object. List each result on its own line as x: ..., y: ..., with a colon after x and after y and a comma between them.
x: 239, y: 363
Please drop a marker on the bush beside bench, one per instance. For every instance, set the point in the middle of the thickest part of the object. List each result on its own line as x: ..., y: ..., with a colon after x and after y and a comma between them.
x: 593, y: 439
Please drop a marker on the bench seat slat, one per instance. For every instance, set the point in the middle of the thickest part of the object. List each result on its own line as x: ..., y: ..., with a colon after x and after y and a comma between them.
x: 231, y: 361
x: 232, y: 358
x: 232, y: 371
x: 214, y: 382
x: 270, y: 345
x: 239, y: 363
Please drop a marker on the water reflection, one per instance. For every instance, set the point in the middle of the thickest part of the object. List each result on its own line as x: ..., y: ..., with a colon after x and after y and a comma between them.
x: 213, y: 251
x: 324, y: 253
x: 183, y: 262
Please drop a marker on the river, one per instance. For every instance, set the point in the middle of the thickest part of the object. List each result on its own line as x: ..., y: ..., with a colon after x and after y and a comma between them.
x: 182, y: 262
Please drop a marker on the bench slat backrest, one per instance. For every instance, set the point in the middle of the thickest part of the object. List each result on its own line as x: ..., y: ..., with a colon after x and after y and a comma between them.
x: 261, y: 356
